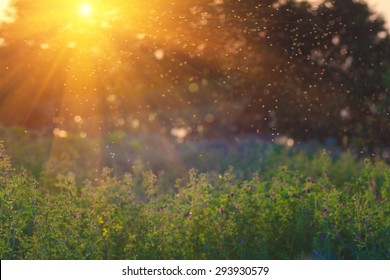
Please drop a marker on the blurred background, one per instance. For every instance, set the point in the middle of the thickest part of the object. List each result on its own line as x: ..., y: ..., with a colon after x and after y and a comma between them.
x: 281, y: 71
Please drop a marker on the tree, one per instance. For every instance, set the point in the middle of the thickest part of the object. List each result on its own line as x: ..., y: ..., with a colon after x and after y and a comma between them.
x: 216, y: 67
x: 313, y: 73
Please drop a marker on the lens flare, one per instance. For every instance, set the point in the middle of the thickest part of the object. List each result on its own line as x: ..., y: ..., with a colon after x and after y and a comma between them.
x: 74, y: 54
x: 85, y: 10
x: 7, y: 12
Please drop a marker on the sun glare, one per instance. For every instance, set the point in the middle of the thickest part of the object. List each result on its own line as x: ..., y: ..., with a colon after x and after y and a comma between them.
x: 79, y: 49
x: 7, y: 12
x: 85, y: 9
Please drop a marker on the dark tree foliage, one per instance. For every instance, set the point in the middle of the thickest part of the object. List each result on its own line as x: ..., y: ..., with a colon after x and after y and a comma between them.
x: 315, y: 73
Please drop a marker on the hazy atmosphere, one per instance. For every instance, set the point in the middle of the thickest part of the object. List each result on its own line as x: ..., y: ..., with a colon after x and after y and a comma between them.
x: 206, y: 129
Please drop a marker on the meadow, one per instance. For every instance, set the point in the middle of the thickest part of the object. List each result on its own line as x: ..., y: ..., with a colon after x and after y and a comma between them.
x: 207, y: 129
x: 147, y: 197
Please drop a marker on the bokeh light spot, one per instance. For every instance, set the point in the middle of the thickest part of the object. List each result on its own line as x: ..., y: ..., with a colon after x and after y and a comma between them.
x: 85, y: 9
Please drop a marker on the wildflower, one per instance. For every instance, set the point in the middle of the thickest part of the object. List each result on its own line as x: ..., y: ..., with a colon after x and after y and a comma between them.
x: 357, y: 239
x: 187, y: 214
x: 222, y: 211
x: 232, y: 194
x: 316, y: 254
x: 323, y: 236
x: 325, y: 210
x: 234, y: 207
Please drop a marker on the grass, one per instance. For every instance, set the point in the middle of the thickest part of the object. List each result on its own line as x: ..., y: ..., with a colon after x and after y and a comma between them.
x: 205, y: 200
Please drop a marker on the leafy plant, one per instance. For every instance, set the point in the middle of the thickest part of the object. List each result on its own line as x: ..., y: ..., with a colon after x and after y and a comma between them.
x: 277, y: 214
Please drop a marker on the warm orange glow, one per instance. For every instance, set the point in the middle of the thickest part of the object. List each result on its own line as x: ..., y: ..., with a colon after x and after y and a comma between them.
x: 80, y: 53
x: 7, y: 12
x: 85, y: 9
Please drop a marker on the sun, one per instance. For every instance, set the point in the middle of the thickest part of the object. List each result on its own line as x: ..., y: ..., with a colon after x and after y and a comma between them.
x: 85, y: 9
x: 7, y: 12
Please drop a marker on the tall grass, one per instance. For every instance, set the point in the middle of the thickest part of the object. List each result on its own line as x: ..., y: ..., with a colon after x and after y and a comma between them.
x: 295, y: 206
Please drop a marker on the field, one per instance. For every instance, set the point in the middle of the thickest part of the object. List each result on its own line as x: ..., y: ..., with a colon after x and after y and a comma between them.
x: 207, y: 129
x: 147, y: 197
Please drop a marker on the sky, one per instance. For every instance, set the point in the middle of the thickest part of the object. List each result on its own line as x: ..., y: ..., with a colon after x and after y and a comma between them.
x: 6, y: 12
x: 3, y: 6
x: 380, y: 6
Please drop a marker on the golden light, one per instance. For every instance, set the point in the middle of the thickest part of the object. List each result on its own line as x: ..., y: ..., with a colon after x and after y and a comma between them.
x: 81, y: 51
x: 85, y: 9
x: 85, y: 60
x: 7, y: 12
